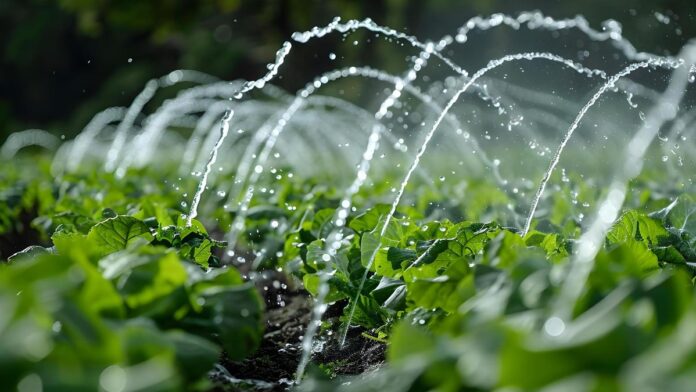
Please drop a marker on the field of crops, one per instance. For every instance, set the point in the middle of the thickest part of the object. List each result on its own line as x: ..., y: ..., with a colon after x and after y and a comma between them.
x: 485, y: 230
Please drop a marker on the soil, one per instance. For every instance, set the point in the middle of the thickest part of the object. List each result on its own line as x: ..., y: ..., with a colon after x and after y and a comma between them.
x: 272, y: 367
x: 21, y: 234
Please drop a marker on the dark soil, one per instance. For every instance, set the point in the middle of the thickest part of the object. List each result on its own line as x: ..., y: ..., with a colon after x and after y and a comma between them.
x: 21, y: 234
x: 272, y: 367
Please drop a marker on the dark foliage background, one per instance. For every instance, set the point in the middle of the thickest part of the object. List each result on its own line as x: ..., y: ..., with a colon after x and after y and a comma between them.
x: 64, y: 60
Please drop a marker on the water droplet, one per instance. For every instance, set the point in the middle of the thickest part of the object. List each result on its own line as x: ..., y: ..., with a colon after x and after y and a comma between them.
x: 554, y: 326
x: 30, y: 383
x: 662, y: 18
x: 113, y: 379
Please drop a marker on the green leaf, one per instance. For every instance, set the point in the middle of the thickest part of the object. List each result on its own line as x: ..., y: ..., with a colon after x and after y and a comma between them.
x: 82, y: 223
x: 28, y: 253
x: 118, y: 233
x: 408, y: 341
x: 639, y: 227
x: 146, y: 278
x: 397, y: 256
x: 680, y: 214
x: 234, y: 315
x: 311, y: 283
x: 368, y: 220
x: 553, y: 244
x: 197, y: 249
x: 196, y: 227
x: 195, y: 356
x: 447, y: 291
x: 368, y: 313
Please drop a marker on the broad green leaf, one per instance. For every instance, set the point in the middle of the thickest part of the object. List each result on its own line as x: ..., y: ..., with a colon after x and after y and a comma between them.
x: 81, y: 222
x: 554, y: 246
x: 196, y: 227
x: 680, y: 214
x: 233, y: 315
x: 28, y: 253
x: 368, y: 313
x: 635, y: 226
x: 397, y: 256
x: 194, y: 355
x: 115, y: 234
x: 146, y: 278
x: 311, y: 283
x: 197, y: 249
x: 447, y: 291
x: 372, y: 249
x: 669, y: 254
x: 408, y: 341
x: 368, y: 220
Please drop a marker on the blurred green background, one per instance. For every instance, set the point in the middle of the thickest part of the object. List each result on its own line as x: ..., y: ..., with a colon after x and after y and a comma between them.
x: 63, y: 61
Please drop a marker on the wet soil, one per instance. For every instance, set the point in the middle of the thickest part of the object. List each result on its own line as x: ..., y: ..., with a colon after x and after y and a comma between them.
x: 272, y: 367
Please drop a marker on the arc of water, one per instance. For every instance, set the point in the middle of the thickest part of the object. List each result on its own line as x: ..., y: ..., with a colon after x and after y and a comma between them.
x: 306, y: 120
x: 436, y: 108
x: 350, y: 25
x: 336, y: 236
x: 342, y: 214
x: 270, y: 135
x: 91, y: 130
x: 145, y: 141
x: 532, y: 19
x: 203, y: 139
x: 368, y: 24
x: 203, y: 126
x: 345, y: 204
x: 591, y: 240
x: 611, y: 31
x: 273, y: 68
x: 122, y: 131
x: 238, y: 222
x: 139, y: 103
x: 491, y: 65
x: 188, y: 101
x: 373, y: 141
x: 569, y: 133
x: 26, y: 138
x: 224, y: 130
